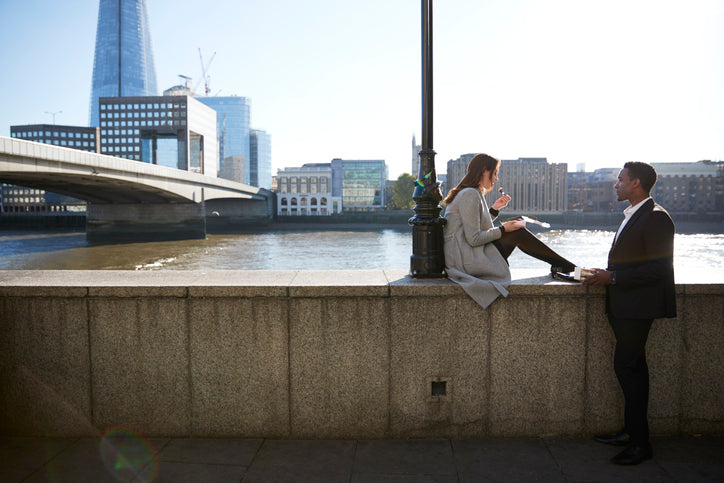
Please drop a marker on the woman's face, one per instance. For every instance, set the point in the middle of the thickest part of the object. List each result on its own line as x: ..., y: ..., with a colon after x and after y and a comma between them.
x: 488, y: 179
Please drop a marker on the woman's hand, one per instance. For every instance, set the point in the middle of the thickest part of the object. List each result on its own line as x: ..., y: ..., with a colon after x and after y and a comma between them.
x: 501, y: 202
x: 513, y: 225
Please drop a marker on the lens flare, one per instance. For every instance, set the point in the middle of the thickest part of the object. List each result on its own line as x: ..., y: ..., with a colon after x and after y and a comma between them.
x: 128, y: 456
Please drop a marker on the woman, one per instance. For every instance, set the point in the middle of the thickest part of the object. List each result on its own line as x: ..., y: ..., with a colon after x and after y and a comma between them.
x: 476, y: 252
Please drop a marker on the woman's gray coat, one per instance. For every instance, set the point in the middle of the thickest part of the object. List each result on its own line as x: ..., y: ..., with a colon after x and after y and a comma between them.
x: 471, y: 259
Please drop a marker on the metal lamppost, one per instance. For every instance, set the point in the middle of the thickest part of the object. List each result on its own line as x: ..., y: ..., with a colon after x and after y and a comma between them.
x: 427, y: 260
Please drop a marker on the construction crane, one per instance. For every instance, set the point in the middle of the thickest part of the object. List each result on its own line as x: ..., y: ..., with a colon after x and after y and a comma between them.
x: 204, y: 70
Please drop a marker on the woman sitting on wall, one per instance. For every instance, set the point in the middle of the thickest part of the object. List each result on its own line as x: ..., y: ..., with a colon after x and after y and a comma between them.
x: 476, y: 251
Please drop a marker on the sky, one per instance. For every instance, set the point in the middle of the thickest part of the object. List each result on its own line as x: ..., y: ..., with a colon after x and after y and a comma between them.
x: 594, y: 82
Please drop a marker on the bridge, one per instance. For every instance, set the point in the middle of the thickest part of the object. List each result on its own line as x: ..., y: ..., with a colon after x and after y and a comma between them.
x: 130, y: 199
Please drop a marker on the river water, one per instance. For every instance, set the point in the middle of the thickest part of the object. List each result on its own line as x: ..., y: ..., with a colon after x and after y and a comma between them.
x: 698, y: 257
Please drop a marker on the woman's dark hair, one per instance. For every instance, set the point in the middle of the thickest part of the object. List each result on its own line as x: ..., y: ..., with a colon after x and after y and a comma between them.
x: 645, y: 173
x: 476, y: 167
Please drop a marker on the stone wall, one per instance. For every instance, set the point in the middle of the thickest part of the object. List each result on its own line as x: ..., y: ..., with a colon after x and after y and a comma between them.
x: 336, y: 354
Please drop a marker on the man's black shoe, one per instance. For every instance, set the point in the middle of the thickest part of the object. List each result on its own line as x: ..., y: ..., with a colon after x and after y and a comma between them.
x: 619, y: 439
x: 633, y: 455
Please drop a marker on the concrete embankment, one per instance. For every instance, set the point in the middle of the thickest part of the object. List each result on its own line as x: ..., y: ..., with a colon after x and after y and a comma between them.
x: 685, y: 222
x: 336, y: 355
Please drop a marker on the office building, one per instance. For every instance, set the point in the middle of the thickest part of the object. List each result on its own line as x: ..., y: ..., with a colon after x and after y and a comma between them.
x: 344, y: 185
x: 361, y: 183
x: 233, y: 168
x: 174, y: 131
x: 260, y: 162
x: 690, y: 187
x: 307, y: 191
x: 680, y: 188
x: 456, y: 169
x: 76, y: 137
x: 18, y: 199
x: 593, y: 191
x: 232, y: 127
x: 123, y: 64
x: 533, y: 184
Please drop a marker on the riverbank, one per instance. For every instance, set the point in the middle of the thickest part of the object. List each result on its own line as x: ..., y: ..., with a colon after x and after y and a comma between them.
x: 337, y: 354
x: 688, y: 223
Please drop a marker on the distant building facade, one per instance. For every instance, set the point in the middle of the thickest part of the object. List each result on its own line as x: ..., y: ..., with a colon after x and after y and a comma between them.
x: 173, y: 131
x: 307, y: 191
x: 260, y: 159
x: 343, y: 185
x: 593, y: 191
x: 18, y: 199
x: 690, y: 187
x: 233, y: 114
x: 680, y: 187
x: 361, y: 183
x: 123, y: 62
x: 456, y: 169
x: 534, y: 184
x: 76, y: 137
x: 234, y: 169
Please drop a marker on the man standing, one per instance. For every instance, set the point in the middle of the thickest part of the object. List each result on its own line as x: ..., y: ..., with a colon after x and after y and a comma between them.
x: 639, y: 284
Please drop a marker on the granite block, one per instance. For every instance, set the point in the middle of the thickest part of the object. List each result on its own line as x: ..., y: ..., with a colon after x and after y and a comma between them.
x: 339, y: 366
x: 703, y: 378
x: 339, y: 283
x: 604, y: 401
x: 403, y: 285
x: 42, y: 291
x: 44, y: 367
x: 537, y: 358
x: 442, y: 340
x: 239, y: 367
x: 241, y: 283
x: 664, y: 351
x: 140, y: 364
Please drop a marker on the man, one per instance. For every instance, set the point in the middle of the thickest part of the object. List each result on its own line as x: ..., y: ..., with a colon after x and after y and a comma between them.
x: 639, y: 284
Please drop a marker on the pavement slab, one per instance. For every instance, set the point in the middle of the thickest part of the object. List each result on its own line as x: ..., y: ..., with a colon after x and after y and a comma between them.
x: 280, y: 461
x: 129, y: 458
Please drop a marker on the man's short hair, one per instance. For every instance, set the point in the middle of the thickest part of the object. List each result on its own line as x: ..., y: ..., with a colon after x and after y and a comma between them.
x: 644, y: 172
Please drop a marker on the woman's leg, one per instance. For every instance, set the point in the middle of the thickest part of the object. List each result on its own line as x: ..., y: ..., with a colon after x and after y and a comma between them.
x: 531, y: 245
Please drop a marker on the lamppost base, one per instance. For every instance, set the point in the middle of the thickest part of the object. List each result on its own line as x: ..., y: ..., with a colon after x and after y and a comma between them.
x: 427, y: 260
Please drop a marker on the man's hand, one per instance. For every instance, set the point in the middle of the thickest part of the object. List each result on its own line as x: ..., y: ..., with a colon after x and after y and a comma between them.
x: 601, y: 277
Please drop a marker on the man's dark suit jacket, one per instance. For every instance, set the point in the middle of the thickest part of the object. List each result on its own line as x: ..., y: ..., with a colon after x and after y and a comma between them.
x: 643, y: 259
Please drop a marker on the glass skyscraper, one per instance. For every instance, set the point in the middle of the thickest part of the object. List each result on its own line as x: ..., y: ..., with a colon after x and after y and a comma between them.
x: 260, y: 165
x: 123, y: 62
x: 233, y: 115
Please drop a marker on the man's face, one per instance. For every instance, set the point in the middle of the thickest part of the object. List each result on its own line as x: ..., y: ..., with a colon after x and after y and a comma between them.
x: 625, y: 185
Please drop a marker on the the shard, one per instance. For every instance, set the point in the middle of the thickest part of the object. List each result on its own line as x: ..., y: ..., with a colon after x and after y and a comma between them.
x: 123, y: 61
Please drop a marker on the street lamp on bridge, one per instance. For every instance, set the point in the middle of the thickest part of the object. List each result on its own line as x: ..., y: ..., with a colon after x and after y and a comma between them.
x: 427, y: 260
x: 53, y: 114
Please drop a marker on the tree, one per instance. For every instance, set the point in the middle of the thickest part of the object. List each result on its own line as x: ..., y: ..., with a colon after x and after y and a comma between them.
x: 402, y: 190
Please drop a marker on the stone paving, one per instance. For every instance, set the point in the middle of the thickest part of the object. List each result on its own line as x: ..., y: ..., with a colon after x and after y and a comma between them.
x: 676, y: 459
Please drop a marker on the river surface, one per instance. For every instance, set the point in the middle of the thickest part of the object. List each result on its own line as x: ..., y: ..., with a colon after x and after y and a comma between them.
x: 698, y: 257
